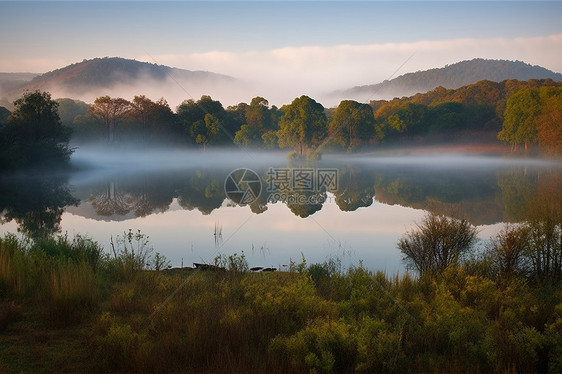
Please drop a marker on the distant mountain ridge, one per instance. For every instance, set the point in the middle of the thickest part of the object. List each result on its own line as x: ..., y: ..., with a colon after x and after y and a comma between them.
x: 104, y: 75
x: 12, y: 81
x: 451, y: 77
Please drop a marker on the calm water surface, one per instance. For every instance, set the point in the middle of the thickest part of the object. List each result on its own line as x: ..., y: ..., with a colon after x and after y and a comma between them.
x: 353, y: 208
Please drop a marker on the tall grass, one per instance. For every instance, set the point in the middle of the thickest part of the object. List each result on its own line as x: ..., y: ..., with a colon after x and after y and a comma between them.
x: 72, y: 291
x: 317, y: 318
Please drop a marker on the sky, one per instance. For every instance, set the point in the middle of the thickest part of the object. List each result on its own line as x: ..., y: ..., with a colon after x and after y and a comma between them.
x: 281, y: 49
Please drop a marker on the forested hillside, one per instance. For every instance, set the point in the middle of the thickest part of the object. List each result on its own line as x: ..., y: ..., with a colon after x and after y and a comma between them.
x: 440, y: 113
x: 451, y: 76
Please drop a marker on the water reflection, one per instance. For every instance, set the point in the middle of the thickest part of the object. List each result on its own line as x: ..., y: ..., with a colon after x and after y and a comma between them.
x: 35, y: 203
x: 484, y: 193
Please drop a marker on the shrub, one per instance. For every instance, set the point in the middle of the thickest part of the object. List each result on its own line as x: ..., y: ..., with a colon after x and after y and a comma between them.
x: 323, y: 346
x: 437, y: 243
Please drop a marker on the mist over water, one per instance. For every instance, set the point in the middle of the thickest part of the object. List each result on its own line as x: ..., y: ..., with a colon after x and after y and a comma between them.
x: 134, y: 157
x: 177, y: 197
x: 137, y: 156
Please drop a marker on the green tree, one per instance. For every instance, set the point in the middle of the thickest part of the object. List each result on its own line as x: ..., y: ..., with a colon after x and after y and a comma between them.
x: 521, y: 110
x: 399, y: 119
x: 352, y: 124
x: 303, y: 125
x: 191, y: 116
x: 110, y: 111
x: 246, y: 136
x: 68, y: 110
x: 258, y: 120
x: 258, y: 114
x: 206, y: 131
x: 154, y: 118
x: 33, y: 134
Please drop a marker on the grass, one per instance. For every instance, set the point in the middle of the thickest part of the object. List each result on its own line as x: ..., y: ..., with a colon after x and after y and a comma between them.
x: 68, y: 309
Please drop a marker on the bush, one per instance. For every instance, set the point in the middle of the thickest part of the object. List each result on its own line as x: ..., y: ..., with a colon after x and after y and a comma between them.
x: 437, y: 243
x: 324, y: 346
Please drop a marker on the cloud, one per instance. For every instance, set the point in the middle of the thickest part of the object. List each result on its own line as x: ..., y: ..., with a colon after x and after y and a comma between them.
x: 282, y: 74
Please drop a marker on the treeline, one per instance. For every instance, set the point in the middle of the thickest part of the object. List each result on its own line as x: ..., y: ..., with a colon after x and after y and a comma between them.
x: 484, y: 111
x: 517, y: 112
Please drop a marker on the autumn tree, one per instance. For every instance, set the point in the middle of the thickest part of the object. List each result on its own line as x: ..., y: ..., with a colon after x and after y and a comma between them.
x: 549, y: 121
x: 110, y: 111
x: 303, y: 125
x: 352, y: 124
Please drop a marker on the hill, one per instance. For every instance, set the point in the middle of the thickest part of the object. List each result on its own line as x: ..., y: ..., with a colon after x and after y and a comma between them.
x: 116, y: 76
x: 12, y: 81
x: 451, y: 76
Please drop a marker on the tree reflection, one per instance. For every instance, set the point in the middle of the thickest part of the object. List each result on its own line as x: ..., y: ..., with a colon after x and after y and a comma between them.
x: 113, y: 201
x: 36, y: 204
x: 143, y: 196
x: 356, y: 189
x: 533, y: 197
x: 463, y: 194
x: 480, y: 196
x: 203, y: 191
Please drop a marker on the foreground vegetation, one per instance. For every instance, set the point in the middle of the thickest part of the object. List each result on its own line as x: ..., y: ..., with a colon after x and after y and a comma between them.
x: 65, y: 304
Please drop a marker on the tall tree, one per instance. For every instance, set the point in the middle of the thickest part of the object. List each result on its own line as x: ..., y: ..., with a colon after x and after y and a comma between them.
x: 259, y: 119
x: 519, y: 118
x: 352, y: 124
x: 303, y: 125
x: 110, y: 111
x: 206, y: 131
x: 549, y: 121
x: 33, y: 134
x: 191, y: 117
x: 153, y: 117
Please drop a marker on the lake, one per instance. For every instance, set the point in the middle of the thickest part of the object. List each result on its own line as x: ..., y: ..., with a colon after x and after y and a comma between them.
x: 353, y: 208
